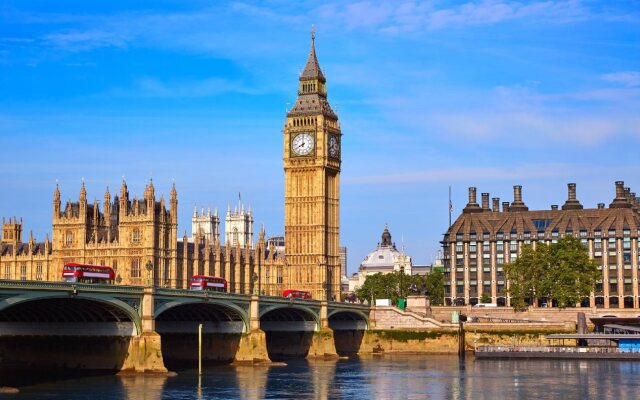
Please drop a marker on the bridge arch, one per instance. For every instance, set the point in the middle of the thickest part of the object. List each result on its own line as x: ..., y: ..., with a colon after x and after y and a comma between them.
x: 70, y: 308
x: 202, y: 310
x: 289, y: 318
x: 348, y: 320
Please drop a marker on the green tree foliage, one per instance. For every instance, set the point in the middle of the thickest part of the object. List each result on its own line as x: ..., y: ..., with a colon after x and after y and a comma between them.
x: 387, y: 286
x: 560, y: 271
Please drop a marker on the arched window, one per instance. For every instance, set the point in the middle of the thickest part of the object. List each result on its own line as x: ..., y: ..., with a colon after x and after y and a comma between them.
x: 136, y: 236
x: 69, y: 238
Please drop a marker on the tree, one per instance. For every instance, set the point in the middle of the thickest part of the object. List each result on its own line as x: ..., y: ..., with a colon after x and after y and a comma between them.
x: 434, y: 284
x: 560, y: 271
x: 379, y: 286
x: 387, y: 286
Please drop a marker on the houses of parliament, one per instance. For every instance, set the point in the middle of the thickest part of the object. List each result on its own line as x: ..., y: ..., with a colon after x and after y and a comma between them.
x: 138, y: 237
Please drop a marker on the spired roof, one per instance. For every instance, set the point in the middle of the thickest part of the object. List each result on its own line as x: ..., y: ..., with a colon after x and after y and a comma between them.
x: 312, y: 98
x: 312, y: 68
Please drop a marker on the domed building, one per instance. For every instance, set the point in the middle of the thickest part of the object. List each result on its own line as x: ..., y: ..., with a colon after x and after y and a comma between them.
x: 384, y: 259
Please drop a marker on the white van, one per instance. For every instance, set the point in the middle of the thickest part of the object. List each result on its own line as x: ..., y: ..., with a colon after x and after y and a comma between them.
x: 485, y: 305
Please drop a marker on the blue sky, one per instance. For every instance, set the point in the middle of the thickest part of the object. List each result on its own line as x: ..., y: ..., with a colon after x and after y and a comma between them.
x: 429, y: 94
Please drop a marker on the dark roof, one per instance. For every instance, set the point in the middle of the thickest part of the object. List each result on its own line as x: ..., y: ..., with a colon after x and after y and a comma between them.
x: 546, y: 221
x: 311, y: 104
x: 312, y: 68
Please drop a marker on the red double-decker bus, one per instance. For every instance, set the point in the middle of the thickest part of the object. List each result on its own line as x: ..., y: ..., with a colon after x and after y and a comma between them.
x: 86, y: 273
x: 296, y: 294
x: 205, y: 282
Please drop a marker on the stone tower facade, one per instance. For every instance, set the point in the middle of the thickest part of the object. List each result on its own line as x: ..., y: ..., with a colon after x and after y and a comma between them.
x: 312, y: 160
x: 128, y: 234
x: 238, y: 226
x: 205, y: 225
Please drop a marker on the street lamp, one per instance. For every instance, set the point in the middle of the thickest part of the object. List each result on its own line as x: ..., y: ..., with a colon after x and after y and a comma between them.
x: 149, y: 267
x: 401, y: 275
x: 256, y: 291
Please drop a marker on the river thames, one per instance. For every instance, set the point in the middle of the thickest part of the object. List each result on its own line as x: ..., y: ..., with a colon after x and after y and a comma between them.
x: 375, y: 377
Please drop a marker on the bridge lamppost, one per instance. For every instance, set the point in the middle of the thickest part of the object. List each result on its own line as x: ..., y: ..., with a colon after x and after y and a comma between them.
x: 149, y: 267
x: 256, y: 289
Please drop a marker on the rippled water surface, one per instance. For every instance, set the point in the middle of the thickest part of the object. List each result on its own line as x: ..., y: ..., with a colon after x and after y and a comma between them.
x: 385, y: 377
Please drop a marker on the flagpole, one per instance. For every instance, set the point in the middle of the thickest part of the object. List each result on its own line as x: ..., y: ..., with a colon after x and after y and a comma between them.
x: 450, y: 206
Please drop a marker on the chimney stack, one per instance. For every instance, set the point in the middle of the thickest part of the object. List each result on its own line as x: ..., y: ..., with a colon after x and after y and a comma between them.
x: 505, y: 206
x: 572, y: 203
x: 621, y: 199
x: 485, y: 202
x: 496, y: 204
x: 554, y: 207
x: 472, y: 205
x: 517, y: 204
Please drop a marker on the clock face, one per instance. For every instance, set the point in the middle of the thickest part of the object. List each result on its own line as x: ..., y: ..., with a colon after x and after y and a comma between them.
x: 302, y: 144
x: 334, y: 146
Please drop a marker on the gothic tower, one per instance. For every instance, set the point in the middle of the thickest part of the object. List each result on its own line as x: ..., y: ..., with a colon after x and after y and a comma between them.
x: 312, y: 140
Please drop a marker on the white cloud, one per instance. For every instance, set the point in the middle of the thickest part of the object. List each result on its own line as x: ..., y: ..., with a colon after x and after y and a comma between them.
x: 627, y: 78
x: 151, y: 87
x: 414, y: 16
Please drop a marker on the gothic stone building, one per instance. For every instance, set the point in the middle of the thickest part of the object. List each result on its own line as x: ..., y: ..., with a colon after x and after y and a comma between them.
x: 138, y: 237
x: 132, y: 235
x: 483, y: 239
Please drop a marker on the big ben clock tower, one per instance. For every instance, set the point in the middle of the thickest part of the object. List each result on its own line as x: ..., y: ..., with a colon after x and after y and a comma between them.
x: 312, y: 141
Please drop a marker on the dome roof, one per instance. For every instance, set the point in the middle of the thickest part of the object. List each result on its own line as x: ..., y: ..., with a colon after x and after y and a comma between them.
x: 384, y: 256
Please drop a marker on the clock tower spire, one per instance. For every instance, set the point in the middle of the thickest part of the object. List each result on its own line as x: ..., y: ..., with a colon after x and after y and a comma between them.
x: 312, y: 162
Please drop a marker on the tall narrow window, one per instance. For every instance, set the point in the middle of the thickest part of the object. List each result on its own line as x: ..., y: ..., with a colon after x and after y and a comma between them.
x: 39, y: 271
x: 135, y: 268
x: 23, y: 272
x: 7, y: 272
x: 136, y: 236
x: 69, y: 238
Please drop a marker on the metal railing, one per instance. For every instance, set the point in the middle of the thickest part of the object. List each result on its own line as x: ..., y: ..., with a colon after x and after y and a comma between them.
x: 555, y: 349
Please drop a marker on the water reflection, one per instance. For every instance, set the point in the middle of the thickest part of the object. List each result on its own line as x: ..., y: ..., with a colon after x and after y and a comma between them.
x: 386, y: 377
x: 141, y: 387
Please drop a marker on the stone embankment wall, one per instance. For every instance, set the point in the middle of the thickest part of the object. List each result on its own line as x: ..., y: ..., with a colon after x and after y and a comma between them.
x: 397, y: 331
x: 446, y: 342
x: 443, y: 314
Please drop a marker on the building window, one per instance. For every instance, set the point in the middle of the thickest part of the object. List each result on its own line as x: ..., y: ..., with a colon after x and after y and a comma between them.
x: 459, y: 247
x: 115, y: 265
x: 486, y: 247
x: 583, y: 233
x: 135, y: 268
x: 513, y: 246
x: 500, y: 235
x: 612, y: 243
x: 527, y: 234
x: 69, y: 238
x: 485, y: 235
x: 458, y: 236
x: 136, y: 236
x: 612, y: 232
x: 626, y: 243
x: 23, y: 272
x: 39, y: 271
x: 500, y: 246
x: 597, y: 244
x: 472, y: 247
x: 597, y: 233
x: 7, y: 272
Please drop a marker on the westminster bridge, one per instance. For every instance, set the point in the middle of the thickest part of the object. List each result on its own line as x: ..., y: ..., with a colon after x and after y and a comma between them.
x: 56, y: 325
